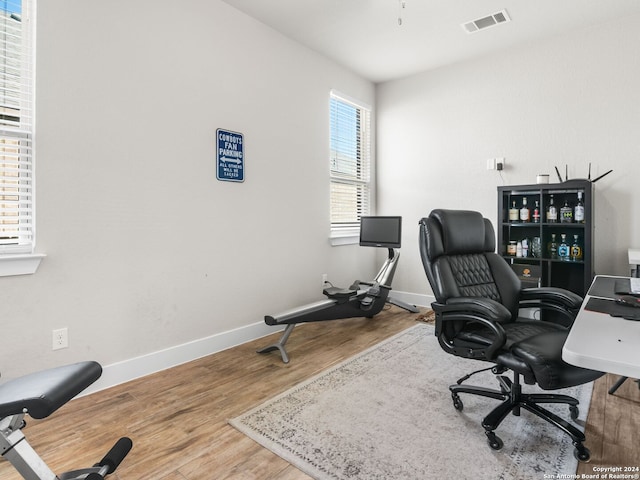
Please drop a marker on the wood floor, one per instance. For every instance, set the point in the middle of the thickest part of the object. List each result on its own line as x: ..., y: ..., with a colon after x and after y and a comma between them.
x: 178, y: 418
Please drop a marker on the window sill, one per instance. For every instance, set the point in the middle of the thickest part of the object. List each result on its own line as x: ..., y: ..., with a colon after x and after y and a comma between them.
x: 20, y: 264
x: 345, y: 240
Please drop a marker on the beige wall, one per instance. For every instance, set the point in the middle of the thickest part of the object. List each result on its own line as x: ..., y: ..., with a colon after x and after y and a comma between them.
x: 569, y: 100
x: 145, y: 249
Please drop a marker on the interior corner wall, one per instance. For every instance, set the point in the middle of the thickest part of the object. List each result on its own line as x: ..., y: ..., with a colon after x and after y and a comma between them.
x: 145, y: 248
x: 571, y: 100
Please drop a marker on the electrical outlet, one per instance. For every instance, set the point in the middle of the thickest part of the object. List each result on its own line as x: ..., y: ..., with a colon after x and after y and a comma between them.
x: 495, y: 163
x: 324, y: 279
x: 60, y: 338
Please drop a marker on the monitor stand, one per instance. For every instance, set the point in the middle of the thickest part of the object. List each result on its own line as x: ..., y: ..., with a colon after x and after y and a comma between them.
x: 385, y: 277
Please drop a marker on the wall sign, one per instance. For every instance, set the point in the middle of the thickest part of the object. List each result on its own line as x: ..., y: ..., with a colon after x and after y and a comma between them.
x: 230, y: 156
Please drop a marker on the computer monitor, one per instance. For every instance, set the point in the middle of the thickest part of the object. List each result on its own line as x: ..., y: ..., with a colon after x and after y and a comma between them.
x: 380, y: 232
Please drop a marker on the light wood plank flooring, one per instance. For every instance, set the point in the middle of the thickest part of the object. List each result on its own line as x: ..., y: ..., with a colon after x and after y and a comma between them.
x: 178, y: 418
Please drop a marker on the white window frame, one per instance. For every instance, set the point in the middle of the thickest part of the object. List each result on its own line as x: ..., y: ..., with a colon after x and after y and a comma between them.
x: 17, y: 167
x: 353, y: 179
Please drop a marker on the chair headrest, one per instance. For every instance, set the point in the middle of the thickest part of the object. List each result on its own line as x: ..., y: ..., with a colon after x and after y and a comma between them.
x: 464, y: 231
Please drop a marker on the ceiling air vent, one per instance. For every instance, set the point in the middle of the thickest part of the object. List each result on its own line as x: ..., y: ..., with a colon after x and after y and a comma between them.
x: 486, y: 22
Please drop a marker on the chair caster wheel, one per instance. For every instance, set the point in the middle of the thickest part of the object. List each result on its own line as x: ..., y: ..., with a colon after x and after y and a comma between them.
x: 457, y: 403
x: 574, y: 412
x: 582, y: 453
x: 494, y: 441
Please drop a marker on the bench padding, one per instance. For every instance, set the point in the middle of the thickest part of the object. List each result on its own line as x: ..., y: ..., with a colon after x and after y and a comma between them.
x: 42, y: 393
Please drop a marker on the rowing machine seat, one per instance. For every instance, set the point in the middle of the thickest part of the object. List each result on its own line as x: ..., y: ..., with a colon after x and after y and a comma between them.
x: 340, y: 294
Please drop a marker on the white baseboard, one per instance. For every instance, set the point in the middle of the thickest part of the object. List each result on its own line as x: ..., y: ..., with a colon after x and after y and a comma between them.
x: 417, y: 299
x: 127, y: 370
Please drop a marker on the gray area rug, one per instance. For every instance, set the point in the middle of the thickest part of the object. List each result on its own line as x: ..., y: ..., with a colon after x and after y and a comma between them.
x: 387, y: 414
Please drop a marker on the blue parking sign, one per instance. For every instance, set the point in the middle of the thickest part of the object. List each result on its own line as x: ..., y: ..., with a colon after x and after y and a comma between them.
x: 230, y: 156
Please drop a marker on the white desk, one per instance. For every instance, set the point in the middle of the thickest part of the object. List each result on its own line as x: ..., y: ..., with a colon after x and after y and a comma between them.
x: 634, y: 259
x: 601, y: 342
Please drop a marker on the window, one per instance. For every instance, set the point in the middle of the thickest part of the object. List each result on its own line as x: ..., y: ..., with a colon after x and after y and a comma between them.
x: 350, y: 161
x: 16, y: 127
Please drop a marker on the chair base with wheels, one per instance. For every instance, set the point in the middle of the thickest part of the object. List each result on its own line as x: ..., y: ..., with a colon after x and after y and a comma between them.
x: 39, y: 395
x: 513, y: 399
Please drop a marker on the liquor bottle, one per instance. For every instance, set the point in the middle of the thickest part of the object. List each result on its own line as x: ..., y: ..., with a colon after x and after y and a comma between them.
x: 566, y: 213
x: 536, y: 247
x: 553, y: 247
x: 536, y: 213
x: 578, y: 211
x: 552, y: 211
x: 514, y: 214
x: 525, y: 214
x: 576, y: 250
x: 563, y: 248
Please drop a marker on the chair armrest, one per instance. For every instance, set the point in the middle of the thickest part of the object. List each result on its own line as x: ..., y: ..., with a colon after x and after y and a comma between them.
x: 558, y: 296
x: 464, y: 310
x: 554, y: 299
x: 492, y: 310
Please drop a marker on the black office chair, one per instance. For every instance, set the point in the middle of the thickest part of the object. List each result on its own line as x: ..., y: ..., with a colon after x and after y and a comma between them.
x: 478, y: 298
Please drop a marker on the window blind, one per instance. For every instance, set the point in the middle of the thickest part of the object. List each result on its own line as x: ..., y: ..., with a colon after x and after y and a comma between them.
x: 16, y: 127
x: 350, y: 164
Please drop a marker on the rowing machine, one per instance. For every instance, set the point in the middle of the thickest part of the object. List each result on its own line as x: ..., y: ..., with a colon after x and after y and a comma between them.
x: 361, y: 299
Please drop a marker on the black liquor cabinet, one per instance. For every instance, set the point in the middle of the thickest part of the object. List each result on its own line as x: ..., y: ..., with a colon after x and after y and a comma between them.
x: 528, y: 244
